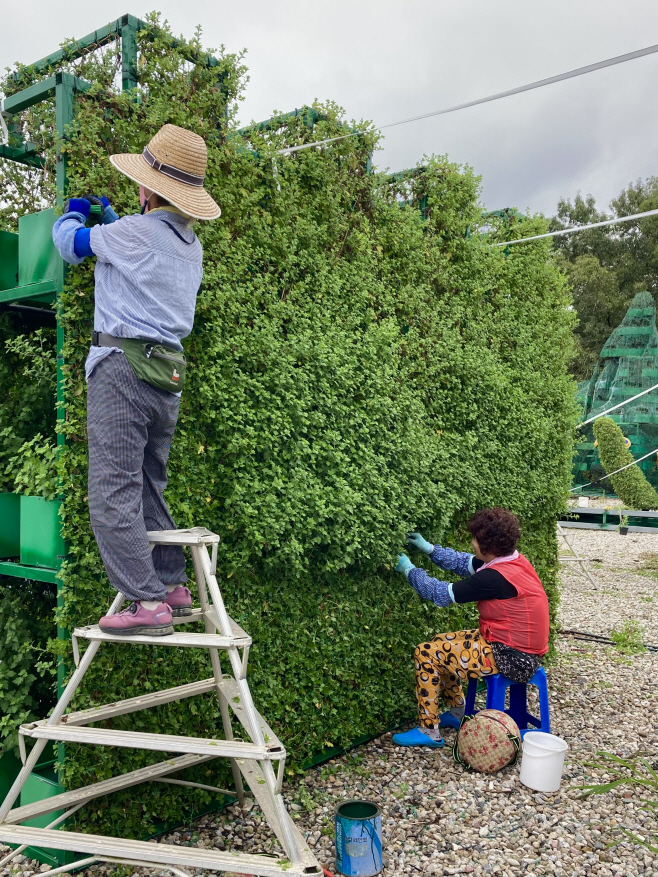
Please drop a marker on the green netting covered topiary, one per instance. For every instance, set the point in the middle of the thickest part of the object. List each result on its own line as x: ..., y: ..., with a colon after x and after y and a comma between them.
x: 357, y: 370
x: 631, y: 486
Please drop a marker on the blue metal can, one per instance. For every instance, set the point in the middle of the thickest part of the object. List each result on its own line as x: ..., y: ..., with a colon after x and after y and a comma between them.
x: 358, y: 839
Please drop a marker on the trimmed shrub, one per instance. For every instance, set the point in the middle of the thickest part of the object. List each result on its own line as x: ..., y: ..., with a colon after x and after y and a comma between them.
x: 357, y: 370
x: 27, y: 671
x: 630, y: 485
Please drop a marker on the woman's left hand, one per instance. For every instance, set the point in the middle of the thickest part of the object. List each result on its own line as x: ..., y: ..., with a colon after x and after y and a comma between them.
x: 404, y: 565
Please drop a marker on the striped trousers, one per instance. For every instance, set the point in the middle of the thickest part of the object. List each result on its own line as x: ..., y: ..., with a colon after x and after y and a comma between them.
x: 130, y: 426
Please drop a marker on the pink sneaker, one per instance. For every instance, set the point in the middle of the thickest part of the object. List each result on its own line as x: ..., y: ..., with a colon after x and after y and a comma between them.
x: 138, y: 620
x: 179, y: 600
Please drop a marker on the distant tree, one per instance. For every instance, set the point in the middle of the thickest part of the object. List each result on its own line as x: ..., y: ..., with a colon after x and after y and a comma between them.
x: 600, y: 307
x: 607, y: 266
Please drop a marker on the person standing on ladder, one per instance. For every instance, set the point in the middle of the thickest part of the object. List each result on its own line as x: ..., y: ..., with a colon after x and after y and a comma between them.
x: 147, y: 275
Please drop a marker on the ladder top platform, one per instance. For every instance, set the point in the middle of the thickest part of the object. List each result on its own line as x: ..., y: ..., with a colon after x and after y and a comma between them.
x: 191, y: 536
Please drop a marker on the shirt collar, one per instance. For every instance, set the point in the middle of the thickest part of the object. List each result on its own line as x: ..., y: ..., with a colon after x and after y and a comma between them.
x: 171, y: 209
x: 506, y: 559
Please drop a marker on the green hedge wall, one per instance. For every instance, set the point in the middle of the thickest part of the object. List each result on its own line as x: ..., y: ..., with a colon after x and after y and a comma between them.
x: 357, y: 370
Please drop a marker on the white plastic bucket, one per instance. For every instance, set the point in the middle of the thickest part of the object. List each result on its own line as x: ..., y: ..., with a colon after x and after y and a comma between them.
x: 583, y: 502
x: 542, y: 761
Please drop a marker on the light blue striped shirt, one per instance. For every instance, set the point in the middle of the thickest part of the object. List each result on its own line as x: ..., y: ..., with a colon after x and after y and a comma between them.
x: 146, y: 278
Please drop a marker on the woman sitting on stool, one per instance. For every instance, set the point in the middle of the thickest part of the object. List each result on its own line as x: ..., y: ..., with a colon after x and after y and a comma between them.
x: 514, y: 621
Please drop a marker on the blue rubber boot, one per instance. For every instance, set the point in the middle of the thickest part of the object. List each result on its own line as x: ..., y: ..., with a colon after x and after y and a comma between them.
x: 447, y: 720
x: 415, y: 737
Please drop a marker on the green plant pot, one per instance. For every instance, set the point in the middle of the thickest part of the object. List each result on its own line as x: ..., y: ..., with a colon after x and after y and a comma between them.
x: 41, y: 542
x: 10, y: 518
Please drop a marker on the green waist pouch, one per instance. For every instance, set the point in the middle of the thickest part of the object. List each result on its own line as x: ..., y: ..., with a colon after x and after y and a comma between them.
x: 156, y: 364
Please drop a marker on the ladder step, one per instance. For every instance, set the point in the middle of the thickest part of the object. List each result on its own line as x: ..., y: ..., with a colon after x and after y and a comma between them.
x: 156, y: 742
x: 189, y: 640
x: 192, y: 536
x: 162, y: 854
x: 134, y: 704
x: 87, y: 793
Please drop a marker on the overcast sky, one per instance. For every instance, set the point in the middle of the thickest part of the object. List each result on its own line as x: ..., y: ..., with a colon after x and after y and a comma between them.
x: 388, y: 59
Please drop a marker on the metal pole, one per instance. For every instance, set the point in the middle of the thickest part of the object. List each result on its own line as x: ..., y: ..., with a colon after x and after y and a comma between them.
x: 79, y: 863
x: 63, y: 117
x: 129, y: 53
x: 199, y: 574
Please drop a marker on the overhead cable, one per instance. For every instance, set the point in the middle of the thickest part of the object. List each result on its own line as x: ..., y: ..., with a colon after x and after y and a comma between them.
x: 619, y: 405
x: 540, y: 83
x: 555, y: 234
x: 603, y: 477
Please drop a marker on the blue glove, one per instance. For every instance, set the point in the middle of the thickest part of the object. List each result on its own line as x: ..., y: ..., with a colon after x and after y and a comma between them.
x: 404, y: 565
x: 109, y: 214
x: 77, y: 205
x: 417, y: 541
x: 81, y: 245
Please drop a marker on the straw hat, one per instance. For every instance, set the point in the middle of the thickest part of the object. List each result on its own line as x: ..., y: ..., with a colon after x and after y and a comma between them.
x: 173, y: 165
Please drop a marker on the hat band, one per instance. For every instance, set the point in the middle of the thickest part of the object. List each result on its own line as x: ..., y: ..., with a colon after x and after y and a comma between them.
x: 169, y: 171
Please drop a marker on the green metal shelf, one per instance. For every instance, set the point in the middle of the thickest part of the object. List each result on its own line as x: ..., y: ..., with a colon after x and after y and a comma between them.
x: 24, y: 154
x: 35, y: 291
x: 34, y: 573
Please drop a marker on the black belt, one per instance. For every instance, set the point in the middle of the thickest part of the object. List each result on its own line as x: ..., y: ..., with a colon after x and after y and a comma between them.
x: 102, y: 339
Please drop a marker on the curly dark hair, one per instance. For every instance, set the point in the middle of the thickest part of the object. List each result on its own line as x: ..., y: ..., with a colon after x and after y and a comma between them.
x: 497, y: 531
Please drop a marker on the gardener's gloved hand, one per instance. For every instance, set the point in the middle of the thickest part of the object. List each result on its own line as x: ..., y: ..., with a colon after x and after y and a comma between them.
x: 77, y: 205
x: 404, y: 565
x: 419, y: 542
x: 99, y: 208
x: 109, y: 215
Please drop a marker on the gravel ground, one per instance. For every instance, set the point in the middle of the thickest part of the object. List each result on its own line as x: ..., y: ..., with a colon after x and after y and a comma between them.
x: 622, y: 593
x: 438, y: 819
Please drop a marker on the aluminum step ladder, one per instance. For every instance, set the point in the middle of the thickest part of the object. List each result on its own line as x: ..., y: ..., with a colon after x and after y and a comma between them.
x: 253, y: 760
x: 574, y: 557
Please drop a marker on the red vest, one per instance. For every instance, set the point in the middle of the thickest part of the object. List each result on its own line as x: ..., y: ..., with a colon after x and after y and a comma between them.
x: 520, y: 622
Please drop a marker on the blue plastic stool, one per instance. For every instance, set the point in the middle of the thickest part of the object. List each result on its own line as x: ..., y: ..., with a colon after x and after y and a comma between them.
x: 498, y: 684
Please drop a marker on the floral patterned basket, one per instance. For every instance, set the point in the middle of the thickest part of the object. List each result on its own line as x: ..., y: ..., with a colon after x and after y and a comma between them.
x: 487, y: 741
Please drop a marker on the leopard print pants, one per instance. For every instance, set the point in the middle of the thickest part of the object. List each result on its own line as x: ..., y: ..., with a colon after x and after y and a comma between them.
x: 442, y: 664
